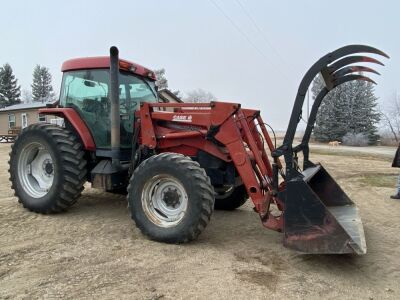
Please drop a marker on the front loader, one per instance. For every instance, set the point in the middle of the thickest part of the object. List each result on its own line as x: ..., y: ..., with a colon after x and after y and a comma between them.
x: 179, y: 161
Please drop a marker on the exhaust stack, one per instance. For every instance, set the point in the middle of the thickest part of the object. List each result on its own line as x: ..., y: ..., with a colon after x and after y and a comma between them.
x: 108, y: 175
x: 114, y: 100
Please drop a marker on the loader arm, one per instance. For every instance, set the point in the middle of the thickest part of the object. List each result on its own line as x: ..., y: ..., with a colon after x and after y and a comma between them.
x: 223, y: 130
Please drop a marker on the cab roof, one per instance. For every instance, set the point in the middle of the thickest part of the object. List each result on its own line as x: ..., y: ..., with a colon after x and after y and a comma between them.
x: 103, y: 62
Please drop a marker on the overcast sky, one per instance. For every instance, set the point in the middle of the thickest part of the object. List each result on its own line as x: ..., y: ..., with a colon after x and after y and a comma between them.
x: 248, y: 51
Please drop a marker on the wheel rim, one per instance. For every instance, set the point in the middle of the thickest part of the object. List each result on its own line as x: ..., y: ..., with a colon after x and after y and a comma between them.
x: 36, y: 170
x: 164, y: 200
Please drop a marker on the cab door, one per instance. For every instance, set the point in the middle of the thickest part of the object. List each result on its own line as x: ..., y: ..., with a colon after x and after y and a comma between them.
x: 132, y: 91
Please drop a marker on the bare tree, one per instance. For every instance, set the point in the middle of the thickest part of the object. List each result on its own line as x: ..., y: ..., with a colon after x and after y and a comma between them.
x: 391, y: 115
x: 26, y: 96
x: 199, y: 96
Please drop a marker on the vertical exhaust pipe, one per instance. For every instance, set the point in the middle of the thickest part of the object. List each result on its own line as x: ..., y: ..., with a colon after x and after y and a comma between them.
x: 114, y: 99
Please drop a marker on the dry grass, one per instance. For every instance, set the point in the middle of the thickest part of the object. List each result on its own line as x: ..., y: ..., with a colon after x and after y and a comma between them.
x: 353, y: 154
x: 379, y: 180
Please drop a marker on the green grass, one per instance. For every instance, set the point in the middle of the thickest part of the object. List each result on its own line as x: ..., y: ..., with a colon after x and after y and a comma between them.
x: 379, y: 180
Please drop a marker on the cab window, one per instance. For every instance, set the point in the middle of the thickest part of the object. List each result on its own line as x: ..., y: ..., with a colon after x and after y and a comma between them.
x: 88, y: 93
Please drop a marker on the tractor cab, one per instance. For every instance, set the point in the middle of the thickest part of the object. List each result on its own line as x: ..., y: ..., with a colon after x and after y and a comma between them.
x: 86, y: 89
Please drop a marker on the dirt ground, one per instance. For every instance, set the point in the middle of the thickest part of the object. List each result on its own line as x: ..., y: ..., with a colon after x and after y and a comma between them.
x: 95, y: 251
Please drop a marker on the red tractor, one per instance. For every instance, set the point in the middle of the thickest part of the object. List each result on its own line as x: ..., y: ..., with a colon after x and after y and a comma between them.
x: 179, y: 161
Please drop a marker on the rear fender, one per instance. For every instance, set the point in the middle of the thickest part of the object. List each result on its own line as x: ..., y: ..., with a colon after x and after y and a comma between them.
x: 76, y: 122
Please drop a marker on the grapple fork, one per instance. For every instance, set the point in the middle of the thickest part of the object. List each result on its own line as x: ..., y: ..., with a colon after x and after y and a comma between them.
x: 318, y: 215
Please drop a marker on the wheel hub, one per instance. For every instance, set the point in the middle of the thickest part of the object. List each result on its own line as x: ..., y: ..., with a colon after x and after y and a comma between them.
x: 164, y: 200
x: 48, y: 167
x: 35, y: 170
x: 171, y: 197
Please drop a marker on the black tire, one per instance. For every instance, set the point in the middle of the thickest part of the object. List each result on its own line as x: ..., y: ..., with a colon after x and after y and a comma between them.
x: 68, y: 166
x: 194, y: 181
x: 233, y: 200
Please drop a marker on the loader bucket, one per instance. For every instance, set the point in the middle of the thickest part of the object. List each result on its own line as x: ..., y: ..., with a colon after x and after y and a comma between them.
x: 319, y: 217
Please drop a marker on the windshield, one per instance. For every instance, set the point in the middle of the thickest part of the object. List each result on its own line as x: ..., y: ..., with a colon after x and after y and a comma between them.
x: 88, y: 93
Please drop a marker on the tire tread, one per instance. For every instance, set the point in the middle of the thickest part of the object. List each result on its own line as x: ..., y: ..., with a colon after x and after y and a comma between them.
x: 74, y: 167
x: 203, y: 188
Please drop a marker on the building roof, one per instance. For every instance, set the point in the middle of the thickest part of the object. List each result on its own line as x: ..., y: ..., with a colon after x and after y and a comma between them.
x: 103, y: 62
x: 166, y: 95
x: 23, y: 106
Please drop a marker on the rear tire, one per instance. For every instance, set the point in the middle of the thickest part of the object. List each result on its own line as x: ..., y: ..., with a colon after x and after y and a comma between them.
x: 47, y: 168
x: 233, y: 200
x: 170, y: 198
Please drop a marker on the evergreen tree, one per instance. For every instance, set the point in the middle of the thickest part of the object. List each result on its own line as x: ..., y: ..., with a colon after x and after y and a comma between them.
x: 10, y: 91
x: 349, y: 108
x: 42, y: 90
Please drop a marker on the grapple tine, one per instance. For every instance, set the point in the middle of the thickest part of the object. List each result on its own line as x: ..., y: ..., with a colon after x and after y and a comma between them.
x: 353, y: 49
x: 352, y: 69
x: 326, y: 65
x: 351, y: 60
x: 343, y: 79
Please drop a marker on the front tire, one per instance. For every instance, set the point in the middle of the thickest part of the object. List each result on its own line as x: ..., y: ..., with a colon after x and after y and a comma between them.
x: 47, y: 168
x: 170, y: 198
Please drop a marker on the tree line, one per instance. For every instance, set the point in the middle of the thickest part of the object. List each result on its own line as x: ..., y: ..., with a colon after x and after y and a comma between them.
x: 10, y: 91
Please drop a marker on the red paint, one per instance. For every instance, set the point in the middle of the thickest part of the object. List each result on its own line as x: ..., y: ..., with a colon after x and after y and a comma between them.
x: 189, y: 128
x: 75, y: 120
x: 103, y: 62
x: 148, y: 136
x: 274, y: 223
x: 182, y: 149
x: 188, y: 146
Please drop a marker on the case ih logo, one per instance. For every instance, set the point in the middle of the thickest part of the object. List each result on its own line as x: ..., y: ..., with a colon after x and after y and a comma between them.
x: 180, y: 118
